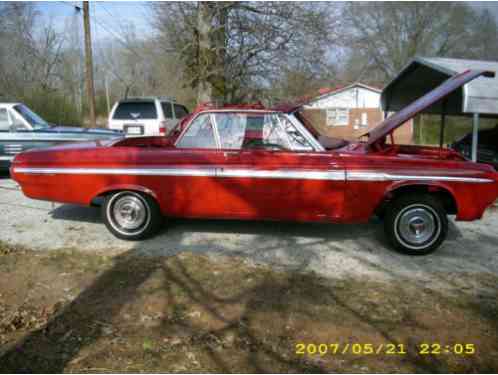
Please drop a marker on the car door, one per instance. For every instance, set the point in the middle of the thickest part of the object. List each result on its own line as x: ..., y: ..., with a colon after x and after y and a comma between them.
x: 192, y: 189
x: 277, y: 174
x: 11, y: 135
x: 234, y: 185
x: 5, y: 152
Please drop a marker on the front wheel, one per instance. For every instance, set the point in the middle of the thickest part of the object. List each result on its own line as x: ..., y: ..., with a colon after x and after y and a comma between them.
x: 416, y: 224
x: 130, y: 215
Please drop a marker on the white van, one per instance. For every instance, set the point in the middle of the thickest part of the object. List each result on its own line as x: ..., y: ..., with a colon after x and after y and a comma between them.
x: 145, y: 116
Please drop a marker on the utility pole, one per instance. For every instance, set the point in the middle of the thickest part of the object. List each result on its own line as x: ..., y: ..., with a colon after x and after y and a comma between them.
x: 107, y: 95
x: 90, y: 90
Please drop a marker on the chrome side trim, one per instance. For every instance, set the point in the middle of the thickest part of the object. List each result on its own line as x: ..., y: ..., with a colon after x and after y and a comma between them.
x: 331, y: 175
x: 384, y: 176
x: 337, y: 175
x: 201, y: 172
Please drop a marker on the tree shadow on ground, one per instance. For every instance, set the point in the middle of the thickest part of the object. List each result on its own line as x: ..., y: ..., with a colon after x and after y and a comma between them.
x: 232, y: 310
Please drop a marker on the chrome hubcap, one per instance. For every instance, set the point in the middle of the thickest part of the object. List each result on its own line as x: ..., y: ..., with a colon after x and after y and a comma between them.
x: 129, y: 212
x: 417, y: 225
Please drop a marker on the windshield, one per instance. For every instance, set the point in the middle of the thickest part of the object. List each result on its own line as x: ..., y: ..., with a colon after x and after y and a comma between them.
x: 34, y: 120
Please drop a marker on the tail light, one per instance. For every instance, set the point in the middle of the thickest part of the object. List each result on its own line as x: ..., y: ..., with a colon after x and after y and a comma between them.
x: 162, y: 128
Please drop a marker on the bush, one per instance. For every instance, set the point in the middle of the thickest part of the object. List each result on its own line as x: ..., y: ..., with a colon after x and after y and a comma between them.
x: 54, y: 108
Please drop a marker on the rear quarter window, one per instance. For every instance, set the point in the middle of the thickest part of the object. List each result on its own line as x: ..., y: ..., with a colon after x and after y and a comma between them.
x: 168, y: 113
x: 4, y: 120
x: 180, y: 111
x: 135, y: 110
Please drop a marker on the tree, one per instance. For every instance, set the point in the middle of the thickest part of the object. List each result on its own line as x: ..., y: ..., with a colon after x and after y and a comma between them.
x: 487, y: 35
x: 231, y: 49
x: 384, y: 36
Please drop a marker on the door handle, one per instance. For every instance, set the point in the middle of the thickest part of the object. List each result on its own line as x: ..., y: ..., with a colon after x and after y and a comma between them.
x: 231, y: 154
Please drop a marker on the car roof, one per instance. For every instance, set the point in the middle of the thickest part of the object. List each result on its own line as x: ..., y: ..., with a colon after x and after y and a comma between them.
x: 255, y: 107
x: 10, y: 103
x: 148, y: 99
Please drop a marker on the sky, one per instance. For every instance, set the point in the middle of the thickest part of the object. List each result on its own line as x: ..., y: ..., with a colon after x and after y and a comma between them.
x: 108, y: 18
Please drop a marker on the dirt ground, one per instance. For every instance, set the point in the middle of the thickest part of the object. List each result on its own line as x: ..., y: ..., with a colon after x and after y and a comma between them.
x: 220, y: 296
x: 330, y: 250
x: 73, y: 311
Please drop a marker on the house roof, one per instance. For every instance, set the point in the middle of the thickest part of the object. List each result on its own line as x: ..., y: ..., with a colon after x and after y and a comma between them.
x: 423, y: 74
x: 325, y: 92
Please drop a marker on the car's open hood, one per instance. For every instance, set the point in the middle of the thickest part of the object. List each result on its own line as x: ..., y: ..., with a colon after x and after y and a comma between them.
x: 391, y: 123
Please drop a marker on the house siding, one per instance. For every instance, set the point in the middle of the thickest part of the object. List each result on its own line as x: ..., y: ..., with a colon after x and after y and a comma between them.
x: 352, y: 131
x: 328, y: 114
x: 355, y: 97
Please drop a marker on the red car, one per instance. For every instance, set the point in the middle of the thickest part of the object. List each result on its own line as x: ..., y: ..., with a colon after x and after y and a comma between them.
x: 256, y: 163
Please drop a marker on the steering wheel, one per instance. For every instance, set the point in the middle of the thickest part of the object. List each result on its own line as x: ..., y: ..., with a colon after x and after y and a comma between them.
x: 258, y: 143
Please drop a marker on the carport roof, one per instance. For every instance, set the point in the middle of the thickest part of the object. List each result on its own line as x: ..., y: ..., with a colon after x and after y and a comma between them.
x: 423, y: 74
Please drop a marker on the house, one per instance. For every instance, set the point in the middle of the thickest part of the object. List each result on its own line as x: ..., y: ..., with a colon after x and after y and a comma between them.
x: 350, y: 111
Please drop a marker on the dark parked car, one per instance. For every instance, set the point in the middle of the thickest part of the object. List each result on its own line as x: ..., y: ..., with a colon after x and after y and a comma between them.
x: 22, y: 129
x: 487, y: 150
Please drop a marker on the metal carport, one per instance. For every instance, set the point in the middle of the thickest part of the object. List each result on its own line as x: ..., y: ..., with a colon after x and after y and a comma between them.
x: 478, y: 98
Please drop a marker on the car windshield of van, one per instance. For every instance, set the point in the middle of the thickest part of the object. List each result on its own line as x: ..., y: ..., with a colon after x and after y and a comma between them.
x: 34, y: 120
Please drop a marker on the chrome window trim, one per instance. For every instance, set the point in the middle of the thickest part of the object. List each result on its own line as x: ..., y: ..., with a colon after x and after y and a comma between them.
x: 282, y: 128
x: 217, y: 111
x: 305, y: 133
x: 216, y: 133
x: 293, y: 120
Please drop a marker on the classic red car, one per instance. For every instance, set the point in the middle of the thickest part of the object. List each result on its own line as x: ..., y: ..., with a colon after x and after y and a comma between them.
x: 250, y: 162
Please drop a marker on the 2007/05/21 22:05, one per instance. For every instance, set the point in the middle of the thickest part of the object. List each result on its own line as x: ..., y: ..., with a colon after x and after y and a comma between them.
x: 382, y: 349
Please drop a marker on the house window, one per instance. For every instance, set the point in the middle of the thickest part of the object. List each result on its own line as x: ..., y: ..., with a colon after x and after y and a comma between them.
x: 337, y: 117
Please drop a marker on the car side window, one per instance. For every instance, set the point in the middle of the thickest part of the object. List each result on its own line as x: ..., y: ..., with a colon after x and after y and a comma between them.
x: 4, y: 120
x: 17, y: 124
x: 231, y: 129
x: 264, y: 132
x: 200, y: 134
x: 166, y: 106
x: 180, y: 111
x: 273, y: 132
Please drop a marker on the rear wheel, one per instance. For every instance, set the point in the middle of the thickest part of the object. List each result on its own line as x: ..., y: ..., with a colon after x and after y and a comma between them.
x: 130, y: 215
x: 416, y: 224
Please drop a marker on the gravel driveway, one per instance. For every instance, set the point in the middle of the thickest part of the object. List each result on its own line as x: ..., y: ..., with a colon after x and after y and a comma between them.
x: 329, y: 250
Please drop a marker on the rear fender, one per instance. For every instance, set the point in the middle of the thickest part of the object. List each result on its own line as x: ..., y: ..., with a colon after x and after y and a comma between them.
x: 119, y: 187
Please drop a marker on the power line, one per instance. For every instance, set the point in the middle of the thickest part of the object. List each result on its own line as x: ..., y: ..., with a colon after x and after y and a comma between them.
x: 103, y: 25
x: 118, y: 37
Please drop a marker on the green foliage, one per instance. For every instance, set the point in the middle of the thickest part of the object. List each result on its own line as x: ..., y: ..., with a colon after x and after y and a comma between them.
x: 427, y: 128
x: 101, y: 105
x: 53, y: 107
